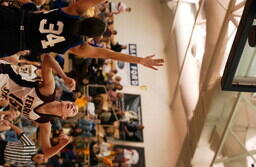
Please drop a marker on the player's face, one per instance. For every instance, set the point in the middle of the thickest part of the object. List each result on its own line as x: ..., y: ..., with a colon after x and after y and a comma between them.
x: 69, y: 109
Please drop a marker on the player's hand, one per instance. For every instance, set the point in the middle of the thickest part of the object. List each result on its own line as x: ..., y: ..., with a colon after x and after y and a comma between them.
x: 11, y: 115
x: 70, y: 83
x: 23, y: 52
x: 5, y: 122
x: 64, y: 139
x: 151, y: 63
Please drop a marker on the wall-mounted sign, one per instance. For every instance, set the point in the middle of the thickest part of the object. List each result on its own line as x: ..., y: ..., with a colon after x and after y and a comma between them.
x: 129, y: 71
x: 134, y: 76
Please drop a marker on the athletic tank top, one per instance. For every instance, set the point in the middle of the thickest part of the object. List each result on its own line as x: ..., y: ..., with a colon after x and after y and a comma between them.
x: 27, y: 71
x: 50, y: 31
x: 23, y: 96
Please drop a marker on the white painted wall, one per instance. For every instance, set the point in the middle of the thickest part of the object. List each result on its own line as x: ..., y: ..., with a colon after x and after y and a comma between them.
x: 147, y: 26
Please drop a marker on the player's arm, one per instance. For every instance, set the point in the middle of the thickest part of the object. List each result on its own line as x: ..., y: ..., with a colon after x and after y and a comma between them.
x: 63, y: 141
x: 48, y: 65
x: 79, y: 7
x: 5, y: 112
x: 14, y: 59
x: 24, y: 61
x: 48, y: 83
x: 21, y: 136
x: 17, y: 130
x: 22, y: 2
x: 87, y: 51
x: 44, y: 136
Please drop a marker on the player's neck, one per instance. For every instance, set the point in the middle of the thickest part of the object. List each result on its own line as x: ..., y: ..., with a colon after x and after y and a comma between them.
x: 52, y: 108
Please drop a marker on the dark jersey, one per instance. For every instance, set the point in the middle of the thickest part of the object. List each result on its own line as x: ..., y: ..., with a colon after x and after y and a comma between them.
x: 9, y: 30
x: 51, y: 31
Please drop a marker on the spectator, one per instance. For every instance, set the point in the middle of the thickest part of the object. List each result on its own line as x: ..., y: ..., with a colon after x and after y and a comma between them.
x: 118, y: 8
x: 117, y: 46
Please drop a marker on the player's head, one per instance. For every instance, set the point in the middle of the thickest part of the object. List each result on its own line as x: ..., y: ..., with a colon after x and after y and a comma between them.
x: 68, y: 109
x: 92, y: 27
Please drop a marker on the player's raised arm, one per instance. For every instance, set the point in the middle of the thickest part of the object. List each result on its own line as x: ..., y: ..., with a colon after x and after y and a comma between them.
x: 88, y: 51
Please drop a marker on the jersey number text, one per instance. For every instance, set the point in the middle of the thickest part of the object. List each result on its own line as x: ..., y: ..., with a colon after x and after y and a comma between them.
x: 53, y: 31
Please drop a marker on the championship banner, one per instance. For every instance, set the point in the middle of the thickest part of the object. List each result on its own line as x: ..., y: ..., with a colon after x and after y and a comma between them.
x: 129, y: 71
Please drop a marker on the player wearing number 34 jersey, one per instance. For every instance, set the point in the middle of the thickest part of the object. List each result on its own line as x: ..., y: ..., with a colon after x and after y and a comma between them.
x: 52, y: 31
x: 58, y: 31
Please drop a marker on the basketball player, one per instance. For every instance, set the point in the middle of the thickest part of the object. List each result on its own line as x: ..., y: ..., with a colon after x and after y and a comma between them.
x: 36, y: 100
x: 58, y: 31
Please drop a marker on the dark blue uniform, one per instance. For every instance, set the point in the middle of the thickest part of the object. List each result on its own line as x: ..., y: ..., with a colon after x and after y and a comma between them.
x: 9, y: 31
x: 43, y: 32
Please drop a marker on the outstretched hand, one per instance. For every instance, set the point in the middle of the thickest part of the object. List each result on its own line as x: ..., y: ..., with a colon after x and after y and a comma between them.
x: 71, y: 83
x: 151, y: 63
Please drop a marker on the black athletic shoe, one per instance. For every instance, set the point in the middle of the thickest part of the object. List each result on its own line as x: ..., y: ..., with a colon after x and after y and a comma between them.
x: 252, y: 36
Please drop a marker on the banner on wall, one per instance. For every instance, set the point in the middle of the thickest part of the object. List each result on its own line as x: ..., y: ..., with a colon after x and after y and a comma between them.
x: 129, y: 71
x: 129, y: 156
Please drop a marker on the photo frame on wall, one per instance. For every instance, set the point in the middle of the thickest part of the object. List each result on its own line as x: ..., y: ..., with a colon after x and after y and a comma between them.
x: 129, y: 156
x: 120, y: 120
x: 131, y: 125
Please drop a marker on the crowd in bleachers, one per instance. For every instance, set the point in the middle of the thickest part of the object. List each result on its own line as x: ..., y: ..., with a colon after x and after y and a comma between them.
x: 102, y: 118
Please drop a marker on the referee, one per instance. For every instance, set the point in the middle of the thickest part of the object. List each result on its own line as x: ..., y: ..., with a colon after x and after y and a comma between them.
x: 24, y: 152
x: 21, y: 153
